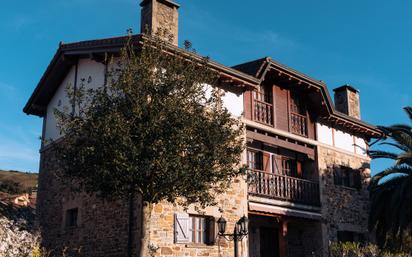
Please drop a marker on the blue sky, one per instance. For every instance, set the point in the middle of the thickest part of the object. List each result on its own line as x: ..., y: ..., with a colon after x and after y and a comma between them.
x: 364, y: 43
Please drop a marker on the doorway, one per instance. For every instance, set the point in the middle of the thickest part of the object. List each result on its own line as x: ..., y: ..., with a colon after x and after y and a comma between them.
x: 269, y: 242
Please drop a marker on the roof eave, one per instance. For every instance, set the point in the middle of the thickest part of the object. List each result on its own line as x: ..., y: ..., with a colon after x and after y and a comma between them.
x: 113, y: 45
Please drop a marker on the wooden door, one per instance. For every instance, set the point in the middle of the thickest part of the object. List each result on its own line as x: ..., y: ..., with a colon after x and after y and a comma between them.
x: 269, y: 242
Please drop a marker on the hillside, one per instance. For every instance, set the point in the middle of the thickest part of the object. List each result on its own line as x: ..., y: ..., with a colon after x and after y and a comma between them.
x: 18, y: 231
x: 14, y: 182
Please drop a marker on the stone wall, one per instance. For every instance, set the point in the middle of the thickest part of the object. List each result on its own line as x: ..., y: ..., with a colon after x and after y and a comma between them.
x: 232, y: 205
x: 103, y: 226
x: 304, y: 239
x: 354, y: 104
x: 161, y: 15
x: 342, y: 208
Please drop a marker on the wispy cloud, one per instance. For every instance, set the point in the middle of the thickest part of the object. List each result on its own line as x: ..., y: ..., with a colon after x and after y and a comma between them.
x: 270, y: 39
x: 18, y: 23
x: 77, y: 3
x: 7, y: 88
x: 18, y: 141
x: 18, y: 153
x: 216, y: 33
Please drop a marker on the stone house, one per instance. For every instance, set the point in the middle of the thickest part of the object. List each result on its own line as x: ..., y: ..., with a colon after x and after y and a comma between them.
x: 308, y: 166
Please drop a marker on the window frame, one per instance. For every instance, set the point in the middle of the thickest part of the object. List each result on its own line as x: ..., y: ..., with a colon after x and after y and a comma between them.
x: 347, y: 177
x: 206, y: 230
x: 257, y: 162
x: 72, y: 218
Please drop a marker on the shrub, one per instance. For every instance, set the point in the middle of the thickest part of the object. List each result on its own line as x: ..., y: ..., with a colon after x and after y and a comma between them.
x: 350, y: 249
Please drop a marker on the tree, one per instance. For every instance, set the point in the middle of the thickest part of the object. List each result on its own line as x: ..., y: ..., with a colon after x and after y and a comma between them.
x: 391, y: 189
x: 151, y: 132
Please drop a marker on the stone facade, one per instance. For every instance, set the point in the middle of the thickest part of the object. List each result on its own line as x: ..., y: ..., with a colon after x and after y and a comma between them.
x: 232, y: 205
x: 102, y: 226
x: 303, y: 239
x: 161, y: 14
x: 354, y: 104
x: 343, y: 208
x: 347, y: 101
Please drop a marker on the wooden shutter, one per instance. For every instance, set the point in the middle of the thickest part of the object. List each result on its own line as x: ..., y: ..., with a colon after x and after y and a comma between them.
x: 299, y: 169
x: 182, y: 226
x: 210, y: 230
x: 277, y: 164
x: 266, y: 162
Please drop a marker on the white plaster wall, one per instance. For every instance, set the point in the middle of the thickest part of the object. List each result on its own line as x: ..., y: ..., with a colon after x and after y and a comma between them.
x: 344, y: 141
x: 340, y: 139
x: 231, y: 101
x: 93, y: 74
x: 361, y: 146
x: 325, y: 134
x: 60, y: 102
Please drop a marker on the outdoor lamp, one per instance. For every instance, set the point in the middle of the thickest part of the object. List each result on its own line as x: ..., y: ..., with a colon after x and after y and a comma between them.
x: 221, y: 224
x: 243, y: 225
x: 239, y: 232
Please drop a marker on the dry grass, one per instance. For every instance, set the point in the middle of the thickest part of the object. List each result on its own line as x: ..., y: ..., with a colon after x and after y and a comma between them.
x: 25, y: 180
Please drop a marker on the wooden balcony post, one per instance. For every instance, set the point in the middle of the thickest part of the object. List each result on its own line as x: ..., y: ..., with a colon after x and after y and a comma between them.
x: 283, y: 241
x: 274, y: 116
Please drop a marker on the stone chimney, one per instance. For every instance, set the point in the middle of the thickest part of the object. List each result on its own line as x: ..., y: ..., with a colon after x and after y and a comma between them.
x: 347, y: 101
x: 160, y: 14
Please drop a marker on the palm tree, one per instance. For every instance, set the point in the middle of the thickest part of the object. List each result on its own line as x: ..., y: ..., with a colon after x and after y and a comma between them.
x: 391, y: 189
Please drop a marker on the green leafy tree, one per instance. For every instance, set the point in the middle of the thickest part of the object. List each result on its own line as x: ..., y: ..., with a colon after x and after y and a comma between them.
x: 151, y: 132
x: 391, y: 189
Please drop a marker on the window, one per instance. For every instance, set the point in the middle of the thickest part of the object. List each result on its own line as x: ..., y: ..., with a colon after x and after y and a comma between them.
x: 197, y: 229
x: 264, y: 94
x: 291, y: 167
x: 71, y: 217
x: 297, y: 106
x: 347, y: 177
x: 254, y: 160
x: 194, y: 229
x: 349, y: 236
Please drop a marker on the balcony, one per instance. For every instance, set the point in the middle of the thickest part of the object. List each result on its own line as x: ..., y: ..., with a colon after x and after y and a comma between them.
x: 262, y: 108
x: 284, y: 188
x: 298, y: 124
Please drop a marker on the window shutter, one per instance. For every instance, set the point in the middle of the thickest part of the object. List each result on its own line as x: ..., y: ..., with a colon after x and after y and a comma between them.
x: 210, y: 230
x: 266, y: 162
x: 182, y: 226
x: 299, y: 172
x: 277, y: 164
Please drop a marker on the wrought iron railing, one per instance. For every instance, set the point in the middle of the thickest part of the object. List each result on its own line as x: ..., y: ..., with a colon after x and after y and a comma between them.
x: 283, y: 187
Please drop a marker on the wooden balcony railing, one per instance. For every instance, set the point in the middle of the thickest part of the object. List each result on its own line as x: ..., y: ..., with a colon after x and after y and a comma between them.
x: 263, y: 112
x: 298, y: 124
x: 284, y: 188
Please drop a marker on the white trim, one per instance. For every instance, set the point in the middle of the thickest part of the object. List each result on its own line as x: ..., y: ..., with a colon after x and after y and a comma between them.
x: 299, y: 138
x: 280, y: 203
x: 284, y: 211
